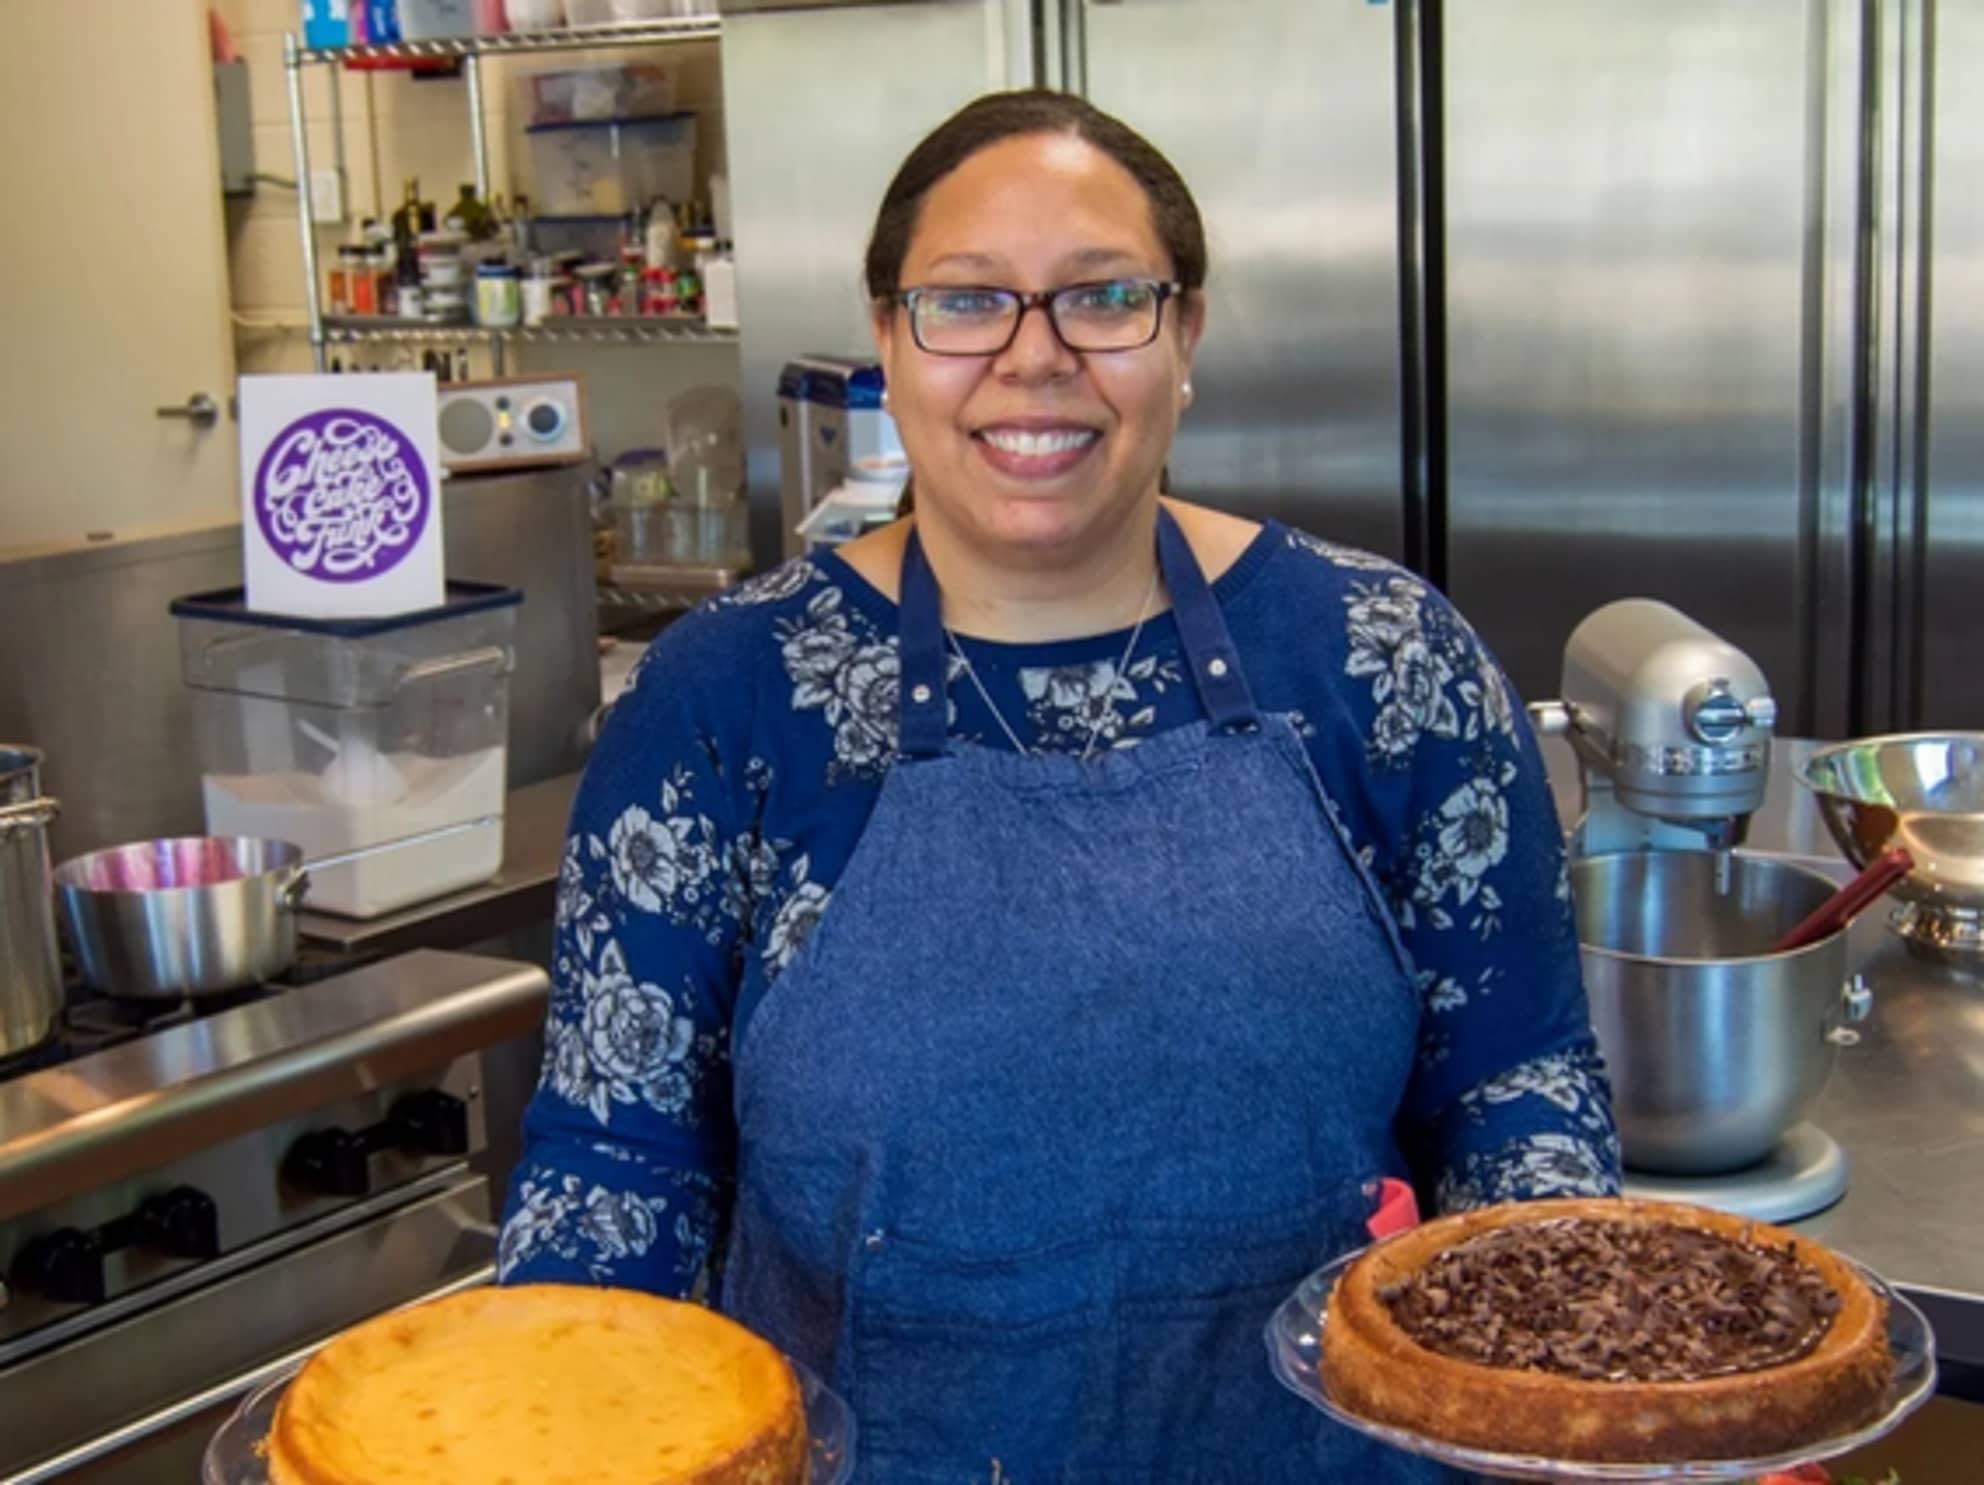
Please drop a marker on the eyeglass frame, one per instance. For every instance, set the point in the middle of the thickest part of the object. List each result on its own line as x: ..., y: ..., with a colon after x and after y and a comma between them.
x: 1043, y: 300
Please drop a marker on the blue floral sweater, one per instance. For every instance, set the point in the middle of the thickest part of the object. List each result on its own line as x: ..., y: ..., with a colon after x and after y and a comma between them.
x: 737, y: 773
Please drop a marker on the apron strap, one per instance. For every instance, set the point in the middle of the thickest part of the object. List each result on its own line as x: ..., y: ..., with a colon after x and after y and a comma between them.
x: 1209, y: 648
x: 1202, y: 630
x: 920, y: 619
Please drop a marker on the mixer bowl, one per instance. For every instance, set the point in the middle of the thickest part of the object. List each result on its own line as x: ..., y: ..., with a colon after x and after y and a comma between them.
x: 1924, y: 791
x: 1715, y: 1045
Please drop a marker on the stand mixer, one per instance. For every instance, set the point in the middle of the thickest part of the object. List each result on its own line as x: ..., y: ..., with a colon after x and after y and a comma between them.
x: 1716, y: 1044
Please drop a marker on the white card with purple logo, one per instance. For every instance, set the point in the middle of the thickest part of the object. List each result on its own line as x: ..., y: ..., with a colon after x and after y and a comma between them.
x: 341, y: 495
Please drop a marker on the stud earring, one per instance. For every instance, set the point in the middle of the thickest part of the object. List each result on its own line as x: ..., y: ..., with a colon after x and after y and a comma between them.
x: 1185, y: 390
x: 885, y: 396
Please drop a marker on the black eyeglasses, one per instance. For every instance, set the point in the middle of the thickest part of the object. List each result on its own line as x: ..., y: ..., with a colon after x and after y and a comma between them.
x: 1115, y: 314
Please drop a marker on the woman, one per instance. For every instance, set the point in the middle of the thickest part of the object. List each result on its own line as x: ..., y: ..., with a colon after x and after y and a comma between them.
x: 1020, y: 941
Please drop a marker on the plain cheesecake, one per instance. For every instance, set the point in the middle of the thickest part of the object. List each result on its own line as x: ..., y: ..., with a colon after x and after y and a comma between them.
x: 543, y: 1385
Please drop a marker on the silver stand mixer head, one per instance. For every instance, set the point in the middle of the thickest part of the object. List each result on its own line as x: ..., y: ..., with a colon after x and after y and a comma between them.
x: 1671, y: 726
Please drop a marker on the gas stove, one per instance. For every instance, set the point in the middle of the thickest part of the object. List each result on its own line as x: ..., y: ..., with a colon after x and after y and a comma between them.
x: 192, y: 1195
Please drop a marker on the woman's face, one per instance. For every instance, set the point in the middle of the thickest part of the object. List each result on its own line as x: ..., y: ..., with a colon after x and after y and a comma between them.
x: 1036, y: 447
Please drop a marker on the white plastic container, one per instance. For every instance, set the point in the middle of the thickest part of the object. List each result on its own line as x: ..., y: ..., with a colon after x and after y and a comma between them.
x: 336, y: 735
x: 588, y: 12
x: 610, y: 169
x: 426, y: 20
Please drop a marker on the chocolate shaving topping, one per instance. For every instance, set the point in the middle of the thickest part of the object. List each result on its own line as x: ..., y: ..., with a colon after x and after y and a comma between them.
x: 1615, y: 1301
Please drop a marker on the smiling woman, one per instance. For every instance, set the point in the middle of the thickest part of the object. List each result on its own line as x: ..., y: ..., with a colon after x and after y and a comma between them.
x: 1005, y: 954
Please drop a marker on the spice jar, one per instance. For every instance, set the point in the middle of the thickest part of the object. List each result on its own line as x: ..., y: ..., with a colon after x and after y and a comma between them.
x: 498, y: 295
x: 537, y: 292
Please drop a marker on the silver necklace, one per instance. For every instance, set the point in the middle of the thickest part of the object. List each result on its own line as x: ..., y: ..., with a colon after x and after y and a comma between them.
x: 1095, y: 727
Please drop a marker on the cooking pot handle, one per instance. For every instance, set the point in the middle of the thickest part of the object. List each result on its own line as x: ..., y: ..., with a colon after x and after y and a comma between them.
x: 290, y: 890
x: 31, y: 814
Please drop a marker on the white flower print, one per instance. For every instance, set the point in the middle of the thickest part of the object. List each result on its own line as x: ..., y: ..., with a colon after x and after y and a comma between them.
x: 794, y: 922
x: 1543, y: 1165
x: 1571, y: 1082
x: 1068, y: 687
x: 656, y: 861
x: 1341, y: 556
x: 1443, y: 993
x: 631, y: 1028
x: 1554, y: 1078
x: 814, y: 656
x: 1459, y: 844
x: 568, y: 1070
x: 864, y: 709
x: 785, y: 581
x: 1394, y: 733
x: 618, y: 1223
x: 839, y: 668
x: 1066, y: 703
x: 1474, y: 831
x: 593, y: 1226
x: 626, y: 1042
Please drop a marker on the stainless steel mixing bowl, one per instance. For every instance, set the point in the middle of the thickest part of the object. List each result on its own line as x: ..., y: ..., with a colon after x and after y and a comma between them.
x: 1716, y: 1046
x: 1925, y: 791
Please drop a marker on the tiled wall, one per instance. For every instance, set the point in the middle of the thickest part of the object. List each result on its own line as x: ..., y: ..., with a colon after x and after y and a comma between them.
x: 398, y: 125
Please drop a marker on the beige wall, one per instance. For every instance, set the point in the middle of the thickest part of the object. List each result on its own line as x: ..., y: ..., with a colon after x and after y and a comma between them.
x: 395, y: 126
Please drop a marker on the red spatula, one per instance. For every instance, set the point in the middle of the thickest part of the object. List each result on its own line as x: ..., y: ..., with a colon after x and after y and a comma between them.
x: 1847, y: 903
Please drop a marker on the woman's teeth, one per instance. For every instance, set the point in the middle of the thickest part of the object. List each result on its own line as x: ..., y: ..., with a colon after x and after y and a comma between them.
x: 1035, y: 445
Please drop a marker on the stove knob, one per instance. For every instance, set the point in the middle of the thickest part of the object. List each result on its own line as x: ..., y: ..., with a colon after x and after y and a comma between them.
x: 431, y: 1122
x: 330, y: 1162
x: 65, y: 1265
x: 183, y: 1223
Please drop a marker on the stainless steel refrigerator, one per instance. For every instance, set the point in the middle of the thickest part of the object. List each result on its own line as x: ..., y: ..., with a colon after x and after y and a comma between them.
x: 1558, y: 301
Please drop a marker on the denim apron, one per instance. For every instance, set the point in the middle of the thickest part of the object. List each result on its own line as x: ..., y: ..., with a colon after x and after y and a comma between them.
x: 1086, y: 1065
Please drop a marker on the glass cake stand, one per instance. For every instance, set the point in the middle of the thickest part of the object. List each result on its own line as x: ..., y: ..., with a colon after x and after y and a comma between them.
x: 1295, y: 1350
x: 237, y: 1455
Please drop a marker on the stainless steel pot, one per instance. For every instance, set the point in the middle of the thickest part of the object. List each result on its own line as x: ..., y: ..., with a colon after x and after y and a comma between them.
x: 30, y: 967
x: 191, y: 915
x: 1716, y: 1046
x: 196, y: 914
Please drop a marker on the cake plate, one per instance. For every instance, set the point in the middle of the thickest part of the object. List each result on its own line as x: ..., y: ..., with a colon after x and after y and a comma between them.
x: 237, y: 1454
x: 1295, y: 1350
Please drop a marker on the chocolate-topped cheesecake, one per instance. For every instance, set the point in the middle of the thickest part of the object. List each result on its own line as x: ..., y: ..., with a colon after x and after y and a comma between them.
x: 1608, y: 1330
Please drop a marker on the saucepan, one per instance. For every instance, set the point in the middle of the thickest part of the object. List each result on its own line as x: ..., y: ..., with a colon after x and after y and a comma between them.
x: 196, y: 914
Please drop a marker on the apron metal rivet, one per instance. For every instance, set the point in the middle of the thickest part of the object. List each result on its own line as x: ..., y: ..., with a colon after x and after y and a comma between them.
x: 919, y: 694
x: 1215, y: 667
x: 873, y: 1242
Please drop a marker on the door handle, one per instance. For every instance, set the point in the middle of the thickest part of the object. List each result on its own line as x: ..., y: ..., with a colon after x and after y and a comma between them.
x: 200, y: 410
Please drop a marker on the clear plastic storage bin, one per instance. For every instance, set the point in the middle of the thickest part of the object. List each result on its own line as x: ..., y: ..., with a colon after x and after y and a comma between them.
x: 426, y: 20
x: 341, y: 734
x: 609, y: 169
x: 601, y: 91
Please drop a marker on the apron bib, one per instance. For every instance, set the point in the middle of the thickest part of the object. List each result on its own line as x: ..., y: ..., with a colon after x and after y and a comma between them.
x: 1086, y: 1065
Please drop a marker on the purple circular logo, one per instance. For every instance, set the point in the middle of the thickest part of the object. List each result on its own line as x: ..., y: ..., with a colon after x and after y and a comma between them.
x: 342, y: 495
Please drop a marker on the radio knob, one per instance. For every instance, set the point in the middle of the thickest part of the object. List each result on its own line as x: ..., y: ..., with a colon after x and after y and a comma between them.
x: 545, y: 419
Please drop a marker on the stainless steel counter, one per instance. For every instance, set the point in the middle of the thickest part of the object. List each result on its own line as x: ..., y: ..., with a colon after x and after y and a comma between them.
x: 1907, y: 1103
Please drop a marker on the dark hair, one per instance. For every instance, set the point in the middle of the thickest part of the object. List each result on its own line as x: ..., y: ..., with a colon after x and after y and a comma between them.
x: 997, y: 116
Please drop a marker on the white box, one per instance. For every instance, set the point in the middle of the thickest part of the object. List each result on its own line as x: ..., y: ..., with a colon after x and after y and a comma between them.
x: 340, y: 495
